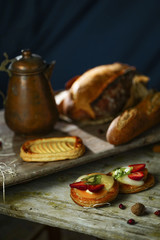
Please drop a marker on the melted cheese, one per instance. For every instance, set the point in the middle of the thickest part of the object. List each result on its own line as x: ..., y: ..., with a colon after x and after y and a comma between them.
x: 108, y: 181
x: 126, y: 180
x: 89, y: 191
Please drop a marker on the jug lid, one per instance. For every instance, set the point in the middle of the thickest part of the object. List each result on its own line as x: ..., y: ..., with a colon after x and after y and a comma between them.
x: 27, y: 63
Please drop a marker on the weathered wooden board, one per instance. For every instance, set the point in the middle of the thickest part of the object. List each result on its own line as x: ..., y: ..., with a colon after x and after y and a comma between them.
x: 47, y: 201
x: 92, y: 136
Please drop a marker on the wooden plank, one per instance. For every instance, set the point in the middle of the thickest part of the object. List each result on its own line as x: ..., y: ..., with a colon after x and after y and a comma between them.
x: 47, y: 201
x: 93, y: 137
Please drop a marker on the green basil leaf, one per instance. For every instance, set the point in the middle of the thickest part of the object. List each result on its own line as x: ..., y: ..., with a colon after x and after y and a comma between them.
x: 93, y: 179
x: 120, y: 172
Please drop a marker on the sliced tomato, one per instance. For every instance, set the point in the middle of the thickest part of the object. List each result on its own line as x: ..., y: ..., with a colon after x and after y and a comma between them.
x: 83, y: 186
x: 95, y: 188
x: 136, y: 175
x: 137, y: 167
x: 79, y: 185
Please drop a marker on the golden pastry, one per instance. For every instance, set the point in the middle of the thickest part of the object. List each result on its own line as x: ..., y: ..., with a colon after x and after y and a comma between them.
x: 94, y: 190
x: 52, y: 149
x: 133, y: 178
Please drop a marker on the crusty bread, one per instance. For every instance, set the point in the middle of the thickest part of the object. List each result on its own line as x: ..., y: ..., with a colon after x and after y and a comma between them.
x: 91, y: 84
x: 135, y: 121
x: 52, y: 149
x: 97, y: 199
x: 77, y: 102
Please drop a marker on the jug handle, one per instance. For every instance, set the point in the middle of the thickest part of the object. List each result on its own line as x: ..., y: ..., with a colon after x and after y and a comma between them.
x: 4, y: 63
x: 3, y: 97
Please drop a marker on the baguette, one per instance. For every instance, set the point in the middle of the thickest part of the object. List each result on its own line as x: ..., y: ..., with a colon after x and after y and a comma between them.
x: 135, y: 121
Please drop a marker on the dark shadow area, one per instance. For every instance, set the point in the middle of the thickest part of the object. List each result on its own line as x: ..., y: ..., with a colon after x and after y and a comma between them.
x: 81, y: 35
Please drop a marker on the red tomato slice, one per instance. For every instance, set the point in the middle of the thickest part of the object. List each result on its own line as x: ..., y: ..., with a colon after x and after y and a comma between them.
x: 82, y: 186
x: 79, y: 185
x: 136, y: 176
x: 95, y: 188
x: 137, y: 167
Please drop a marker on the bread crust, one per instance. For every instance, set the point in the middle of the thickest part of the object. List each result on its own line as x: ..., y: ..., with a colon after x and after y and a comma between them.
x: 135, y: 121
x: 90, y: 85
x: 98, y: 199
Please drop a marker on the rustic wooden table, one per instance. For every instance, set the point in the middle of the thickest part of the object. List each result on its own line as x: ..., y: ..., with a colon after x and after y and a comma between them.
x: 46, y: 200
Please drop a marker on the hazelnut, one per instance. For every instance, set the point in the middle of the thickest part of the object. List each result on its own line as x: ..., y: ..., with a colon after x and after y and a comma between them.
x: 138, y: 209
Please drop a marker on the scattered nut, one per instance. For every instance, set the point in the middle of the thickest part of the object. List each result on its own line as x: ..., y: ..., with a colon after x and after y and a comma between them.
x: 138, y: 209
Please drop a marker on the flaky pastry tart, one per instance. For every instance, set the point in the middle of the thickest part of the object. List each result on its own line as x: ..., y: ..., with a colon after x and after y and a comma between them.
x: 52, y: 149
x: 94, y: 190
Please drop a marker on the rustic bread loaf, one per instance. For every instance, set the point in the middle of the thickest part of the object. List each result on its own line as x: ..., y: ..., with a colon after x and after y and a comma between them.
x: 101, y: 93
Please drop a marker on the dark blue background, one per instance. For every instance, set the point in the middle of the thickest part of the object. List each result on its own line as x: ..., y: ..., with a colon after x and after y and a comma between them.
x: 80, y: 34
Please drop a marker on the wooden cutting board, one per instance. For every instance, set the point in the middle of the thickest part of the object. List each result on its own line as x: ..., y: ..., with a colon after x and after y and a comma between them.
x: 15, y: 170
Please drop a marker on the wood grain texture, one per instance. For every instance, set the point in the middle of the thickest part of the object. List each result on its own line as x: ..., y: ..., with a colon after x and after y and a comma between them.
x: 47, y: 200
x: 93, y: 137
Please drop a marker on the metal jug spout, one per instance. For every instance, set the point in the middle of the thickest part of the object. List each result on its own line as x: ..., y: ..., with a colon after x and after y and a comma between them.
x: 49, y: 70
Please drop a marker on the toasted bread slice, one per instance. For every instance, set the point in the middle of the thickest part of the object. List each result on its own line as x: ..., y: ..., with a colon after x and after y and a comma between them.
x: 95, y: 199
x: 52, y: 149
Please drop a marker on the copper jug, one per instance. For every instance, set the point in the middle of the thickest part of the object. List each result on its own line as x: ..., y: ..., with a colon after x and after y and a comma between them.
x: 30, y: 107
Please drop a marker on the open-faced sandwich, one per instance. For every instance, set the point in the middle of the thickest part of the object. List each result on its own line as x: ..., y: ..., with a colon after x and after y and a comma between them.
x: 133, y: 178
x: 94, y: 190
x: 101, y: 93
